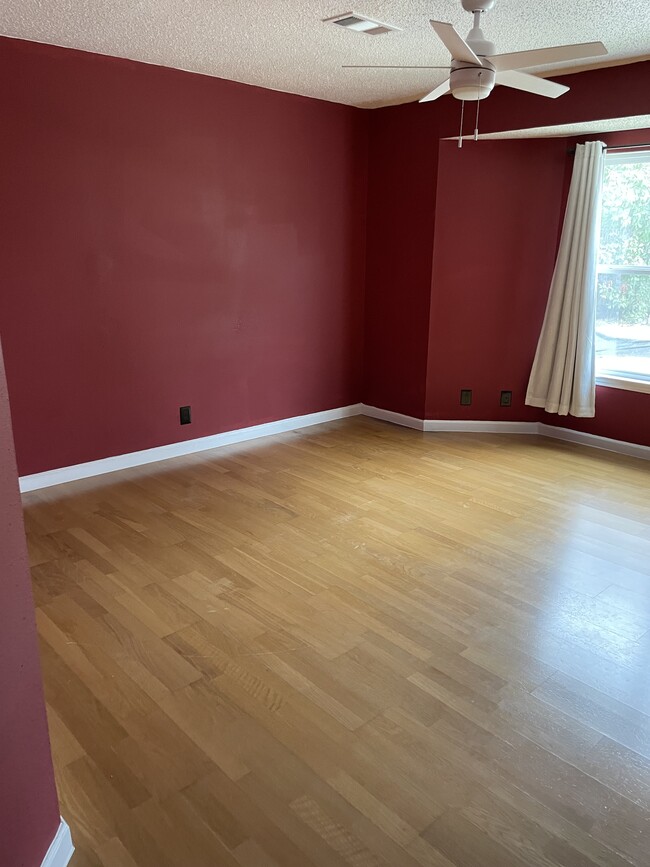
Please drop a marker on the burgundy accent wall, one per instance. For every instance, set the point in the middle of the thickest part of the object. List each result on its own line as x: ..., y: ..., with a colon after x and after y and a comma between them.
x: 29, y: 813
x: 176, y: 239
x: 171, y: 239
x: 402, y: 168
x: 427, y: 300
x: 620, y: 415
x: 499, y: 211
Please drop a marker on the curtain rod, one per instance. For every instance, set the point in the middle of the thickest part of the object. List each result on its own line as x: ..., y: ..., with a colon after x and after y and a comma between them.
x: 629, y: 147
x: 645, y: 144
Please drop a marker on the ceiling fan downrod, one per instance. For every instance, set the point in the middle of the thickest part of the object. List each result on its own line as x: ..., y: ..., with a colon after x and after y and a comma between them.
x: 481, y: 46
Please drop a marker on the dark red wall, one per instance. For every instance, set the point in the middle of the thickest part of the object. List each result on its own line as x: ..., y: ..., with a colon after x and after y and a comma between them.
x: 402, y: 212
x: 620, y: 415
x: 29, y: 813
x: 492, y: 269
x: 177, y: 239
x: 402, y: 166
x: 499, y: 210
x: 171, y: 239
x: 424, y: 297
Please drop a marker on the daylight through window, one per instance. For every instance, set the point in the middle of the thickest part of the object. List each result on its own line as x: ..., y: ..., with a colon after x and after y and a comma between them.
x: 623, y: 290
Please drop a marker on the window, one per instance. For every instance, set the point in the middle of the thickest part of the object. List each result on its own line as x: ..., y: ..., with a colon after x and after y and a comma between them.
x: 623, y: 287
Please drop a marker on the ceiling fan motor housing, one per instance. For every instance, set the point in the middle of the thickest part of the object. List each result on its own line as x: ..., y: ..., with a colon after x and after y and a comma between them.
x: 471, y: 83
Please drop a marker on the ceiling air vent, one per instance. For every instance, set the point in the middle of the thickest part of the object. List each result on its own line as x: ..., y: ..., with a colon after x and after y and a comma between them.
x: 352, y: 21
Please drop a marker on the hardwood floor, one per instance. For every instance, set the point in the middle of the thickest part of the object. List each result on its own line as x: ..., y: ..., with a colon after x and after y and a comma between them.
x: 351, y: 645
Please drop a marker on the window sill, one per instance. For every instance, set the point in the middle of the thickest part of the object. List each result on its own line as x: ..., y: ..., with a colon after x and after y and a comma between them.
x: 626, y: 384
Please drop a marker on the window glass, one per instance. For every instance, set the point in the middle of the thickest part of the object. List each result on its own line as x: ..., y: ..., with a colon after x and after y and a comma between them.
x: 623, y: 290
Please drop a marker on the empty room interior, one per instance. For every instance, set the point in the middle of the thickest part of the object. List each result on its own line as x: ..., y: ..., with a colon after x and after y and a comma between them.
x: 324, y: 433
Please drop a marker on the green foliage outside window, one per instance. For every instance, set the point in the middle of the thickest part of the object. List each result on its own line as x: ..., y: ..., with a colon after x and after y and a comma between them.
x: 625, y: 242
x: 624, y: 299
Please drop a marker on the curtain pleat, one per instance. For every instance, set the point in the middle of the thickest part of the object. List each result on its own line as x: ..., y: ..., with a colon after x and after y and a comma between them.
x: 563, y: 376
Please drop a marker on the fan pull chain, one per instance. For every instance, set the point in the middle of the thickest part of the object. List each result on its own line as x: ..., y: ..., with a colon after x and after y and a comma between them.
x: 478, y: 106
x: 462, y: 113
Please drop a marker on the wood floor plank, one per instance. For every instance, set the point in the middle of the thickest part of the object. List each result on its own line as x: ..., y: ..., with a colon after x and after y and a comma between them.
x: 355, y: 645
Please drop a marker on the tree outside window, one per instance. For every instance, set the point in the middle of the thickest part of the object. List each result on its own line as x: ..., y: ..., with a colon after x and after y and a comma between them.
x: 623, y: 289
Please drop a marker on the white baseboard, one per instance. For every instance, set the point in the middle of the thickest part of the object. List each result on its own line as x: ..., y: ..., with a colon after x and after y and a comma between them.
x: 161, y: 453
x: 393, y: 417
x: 61, y: 848
x: 633, y: 450
x: 187, y: 447
x: 513, y: 427
x: 621, y: 447
x: 454, y: 425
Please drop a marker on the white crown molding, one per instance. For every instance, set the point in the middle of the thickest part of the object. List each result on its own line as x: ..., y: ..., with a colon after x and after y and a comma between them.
x: 61, y: 848
x: 161, y: 453
x: 186, y: 447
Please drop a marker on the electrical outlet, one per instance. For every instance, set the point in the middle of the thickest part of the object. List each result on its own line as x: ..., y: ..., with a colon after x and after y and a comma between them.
x: 506, y: 398
x: 186, y: 414
x: 466, y: 397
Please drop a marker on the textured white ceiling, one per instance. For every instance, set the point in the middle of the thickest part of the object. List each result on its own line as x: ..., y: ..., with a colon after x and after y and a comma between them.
x: 284, y: 44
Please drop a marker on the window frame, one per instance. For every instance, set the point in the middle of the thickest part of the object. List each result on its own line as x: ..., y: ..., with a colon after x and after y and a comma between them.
x: 612, y: 380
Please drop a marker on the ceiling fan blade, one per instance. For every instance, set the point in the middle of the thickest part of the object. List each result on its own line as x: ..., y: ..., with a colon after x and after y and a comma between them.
x: 441, y: 90
x: 455, y: 43
x: 531, y: 84
x: 360, y: 66
x: 542, y: 56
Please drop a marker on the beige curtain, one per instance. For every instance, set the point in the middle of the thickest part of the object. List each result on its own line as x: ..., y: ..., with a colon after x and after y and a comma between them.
x: 563, y: 378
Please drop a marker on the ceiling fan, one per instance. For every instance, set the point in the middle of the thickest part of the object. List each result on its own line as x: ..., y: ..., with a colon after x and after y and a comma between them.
x: 475, y: 68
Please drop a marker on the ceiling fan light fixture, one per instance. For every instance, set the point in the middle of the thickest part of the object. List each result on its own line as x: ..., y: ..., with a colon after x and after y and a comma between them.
x: 470, y: 94
x: 477, y: 5
x: 471, y: 83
